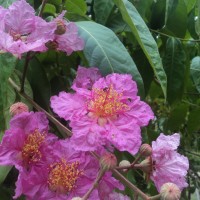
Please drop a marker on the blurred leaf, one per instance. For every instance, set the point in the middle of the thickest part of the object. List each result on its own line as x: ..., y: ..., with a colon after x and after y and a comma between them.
x: 177, y: 117
x: 195, y: 72
x: 190, y: 4
x: 4, y: 170
x: 144, y: 38
x: 191, y: 24
x: 55, y: 2
x: 102, y: 10
x: 7, y: 95
x: 174, y: 64
x: 6, y: 3
x: 176, y: 17
x: 76, y: 6
x: 104, y: 50
x: 50, y: 9
x: 193, y: 121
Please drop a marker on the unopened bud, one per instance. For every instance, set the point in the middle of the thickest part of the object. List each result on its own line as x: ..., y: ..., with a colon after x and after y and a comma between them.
x: 108, y: 161
x: 53, y: 45
x: 170, y: 191
x: 61, y: 27
x: 76, y: 198
x: 145, y: 150
x: 18, y: 108
x: 124, y: 163
x: 146, y: 165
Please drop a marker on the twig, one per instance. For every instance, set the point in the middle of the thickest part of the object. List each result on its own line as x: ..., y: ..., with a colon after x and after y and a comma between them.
x: 50, y: 117
x: 42, y: 8
x: 95, y: 184
x: 166, y: 35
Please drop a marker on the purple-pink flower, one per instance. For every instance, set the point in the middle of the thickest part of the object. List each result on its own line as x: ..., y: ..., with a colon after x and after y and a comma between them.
x: 103, y: 111
x: 168, y: 164
x: 26, y: 143
x: 66, y: 174
x: 66, y: 36
x: 22, y: 31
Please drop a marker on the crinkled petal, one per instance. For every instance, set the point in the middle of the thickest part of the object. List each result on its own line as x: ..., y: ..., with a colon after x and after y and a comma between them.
x: 140, y: 112
x: 69, y: 106
x: 85, y: 79
x: 125, y: 135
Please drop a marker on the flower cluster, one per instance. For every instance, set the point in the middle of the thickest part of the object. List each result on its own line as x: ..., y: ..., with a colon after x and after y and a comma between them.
x: 22, y: 31
x: 49, y: 168
x: 103, y: 112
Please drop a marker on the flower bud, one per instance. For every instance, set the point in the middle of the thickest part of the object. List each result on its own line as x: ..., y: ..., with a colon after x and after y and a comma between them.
x: 76, y: 198
x: 61, y: 27
x: 145, y: 150
x: 18, y: 108
x: 146, y: 165
x: 124, y: 163
x: 52, y: 45
x: 108, y: 161
x: 170, y: 191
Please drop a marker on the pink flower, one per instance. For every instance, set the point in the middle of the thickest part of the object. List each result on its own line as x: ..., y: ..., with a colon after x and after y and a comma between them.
x: 67, y: 174
x: 103, y: 111
x: 23, y: 30
x: 117, y: 196
x: 168, y: 165
x: 66, y: 36
x: 27, y: 141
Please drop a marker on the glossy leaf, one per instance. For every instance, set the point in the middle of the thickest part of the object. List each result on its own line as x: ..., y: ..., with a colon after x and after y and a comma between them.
x: 102, y: 10
x: 176, y: 17
x: 195, y: 72
x: 144, y: 38
x: 76, y: 6
x: 104, y: 50
x: 50, y: 9
x: 174, y: 64
x: 6, y: 3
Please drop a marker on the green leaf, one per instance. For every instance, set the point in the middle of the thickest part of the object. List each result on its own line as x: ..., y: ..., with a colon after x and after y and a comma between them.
x: 144, y: 38
x: 50, y: 9
x: 6, y: 3
x: 102, y: 10
x: 104, y: 50
x: 195, y: 72
x: 177, y: 117
x: 194, y: 121
x: 4, y: 170
x: 55, y: 2
x: 76, y: 6
x: 174, y: 64
x: 176, y: 17
x: 7, y: 95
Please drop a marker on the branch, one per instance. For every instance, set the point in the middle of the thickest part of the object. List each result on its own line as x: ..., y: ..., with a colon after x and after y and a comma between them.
x: 37, y: 107
x: 42, y: 8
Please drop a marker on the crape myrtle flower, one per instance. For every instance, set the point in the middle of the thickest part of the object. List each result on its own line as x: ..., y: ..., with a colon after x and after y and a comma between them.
x: 166, y: 164
x: 66, y: 174
x: 26, y: 143
x: 66, y: 36
x: 103, y: 111
x: 118, y: 196
x: 22, y: 31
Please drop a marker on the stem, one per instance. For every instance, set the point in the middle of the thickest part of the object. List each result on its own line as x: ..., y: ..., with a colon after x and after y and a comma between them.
x: 95, y: 184
x: 50, y: 117
x: 25, y: 71
x: 42, y: 8
x: 155, y: 197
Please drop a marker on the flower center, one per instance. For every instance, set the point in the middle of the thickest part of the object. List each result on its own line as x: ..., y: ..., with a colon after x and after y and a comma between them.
x: 63, y: 176
x: 106, y: 102
x: 17, y: 36
x: 30, y: 150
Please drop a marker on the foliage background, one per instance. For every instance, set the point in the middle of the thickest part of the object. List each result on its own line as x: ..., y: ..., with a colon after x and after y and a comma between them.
x: 157, y: 41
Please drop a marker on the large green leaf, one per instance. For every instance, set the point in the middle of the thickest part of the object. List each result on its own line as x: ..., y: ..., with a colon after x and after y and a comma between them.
x: 174, y: 64
x: 6, y: 3
x: 144, y: 38
x: 76, y: 6
x: 176, y: 17
x: 7, y: 96
x: 104, y: 50
x: 195, y: 71
x: 102, y: 10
